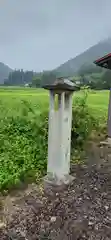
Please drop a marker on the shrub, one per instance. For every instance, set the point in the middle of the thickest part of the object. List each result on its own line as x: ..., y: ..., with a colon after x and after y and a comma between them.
x: 83, y: 122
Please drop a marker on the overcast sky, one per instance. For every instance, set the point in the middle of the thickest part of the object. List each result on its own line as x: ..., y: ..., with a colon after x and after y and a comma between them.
x: 42, y: 34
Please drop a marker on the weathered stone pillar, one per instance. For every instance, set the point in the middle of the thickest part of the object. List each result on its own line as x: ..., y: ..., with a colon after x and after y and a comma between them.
x: 59, y: 138
x: 108, y: 140
x: 109, y: 118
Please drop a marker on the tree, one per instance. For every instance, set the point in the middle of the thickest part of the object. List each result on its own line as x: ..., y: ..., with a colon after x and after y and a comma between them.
x: 89, y: 69
x: 19, y: 77
x: 48, y: 77
x: 106, y: 79
x: 36, y: 81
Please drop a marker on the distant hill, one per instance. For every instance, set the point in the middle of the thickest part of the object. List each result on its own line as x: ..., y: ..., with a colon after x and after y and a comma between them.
x: 72, y: 66
x: 4, y: 72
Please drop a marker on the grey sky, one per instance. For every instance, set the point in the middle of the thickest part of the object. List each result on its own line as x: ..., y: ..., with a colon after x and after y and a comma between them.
x: 42, y: 34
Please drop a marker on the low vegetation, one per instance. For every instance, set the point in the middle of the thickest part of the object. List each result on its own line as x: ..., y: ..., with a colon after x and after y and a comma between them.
x: 24, y: 130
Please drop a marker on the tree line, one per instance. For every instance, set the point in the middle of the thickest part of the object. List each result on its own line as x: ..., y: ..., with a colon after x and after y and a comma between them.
x: 20, y: 78
x: 88, y: 75
x: 95, y: 77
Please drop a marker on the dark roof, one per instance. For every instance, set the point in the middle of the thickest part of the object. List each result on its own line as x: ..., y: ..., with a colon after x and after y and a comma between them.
x: 104, y: 61
x: 62, y: 84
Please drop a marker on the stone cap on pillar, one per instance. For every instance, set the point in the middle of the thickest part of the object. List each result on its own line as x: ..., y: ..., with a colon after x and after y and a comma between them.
x: 62, y: 85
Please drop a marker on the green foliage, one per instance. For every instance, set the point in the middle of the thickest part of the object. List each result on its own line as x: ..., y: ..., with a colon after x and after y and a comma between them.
x: 82, y: 121
x: 106, y: 79
x: 19, y: 77
x: 94, y: 77
x: 48, y: 77
x: 4, y: 72
x: 24, y: 138
x: 89, y: 69
x: 36, y: 81
x: 23, y: 148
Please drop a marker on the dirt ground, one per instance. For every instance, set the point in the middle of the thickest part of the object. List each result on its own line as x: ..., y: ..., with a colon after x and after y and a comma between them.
x: 81, y: 212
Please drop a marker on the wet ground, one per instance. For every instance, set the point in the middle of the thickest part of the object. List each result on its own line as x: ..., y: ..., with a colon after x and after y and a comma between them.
x: 83, y: 211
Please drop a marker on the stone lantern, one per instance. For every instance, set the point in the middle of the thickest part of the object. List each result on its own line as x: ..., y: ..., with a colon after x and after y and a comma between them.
x: 59, y: 137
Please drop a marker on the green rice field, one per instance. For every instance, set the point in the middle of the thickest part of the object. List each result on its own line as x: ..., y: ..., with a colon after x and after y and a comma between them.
x: 11, y: 100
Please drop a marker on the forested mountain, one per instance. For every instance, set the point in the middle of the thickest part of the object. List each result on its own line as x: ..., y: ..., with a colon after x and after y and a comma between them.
x: 82, y: 65
x: 72, y: 66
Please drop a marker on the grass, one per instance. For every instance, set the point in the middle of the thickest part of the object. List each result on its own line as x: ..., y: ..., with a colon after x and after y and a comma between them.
x: 12, y: 99
x: 24, y: 127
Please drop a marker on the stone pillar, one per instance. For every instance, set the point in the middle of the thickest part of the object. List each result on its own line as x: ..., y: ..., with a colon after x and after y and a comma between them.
x: 68, y: 125
x: 108, y: 140
x: 51, y: 135
x: 109, y: 117
x: 59, y: 139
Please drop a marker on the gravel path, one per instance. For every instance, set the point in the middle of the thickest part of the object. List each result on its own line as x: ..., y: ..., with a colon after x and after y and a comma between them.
x: 83, y: 211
